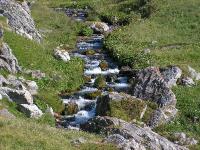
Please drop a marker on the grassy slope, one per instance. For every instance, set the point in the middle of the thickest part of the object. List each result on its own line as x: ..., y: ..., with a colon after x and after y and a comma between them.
x: 60, y: 76
x: 26, y: 134
x: 173, y: 23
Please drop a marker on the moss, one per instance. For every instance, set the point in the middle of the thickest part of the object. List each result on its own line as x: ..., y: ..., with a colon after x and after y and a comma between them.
x: 130, y: 109
x: 100, y: 82
x: 70, y: 109
x: 86, y: 31
x: 89, y: 52
x: 93, y: 95
x: 103, y: 65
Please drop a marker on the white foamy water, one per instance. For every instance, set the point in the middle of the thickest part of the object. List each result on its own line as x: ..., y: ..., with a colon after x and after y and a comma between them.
x: 83, y: 116
x: 81, y: 102
x: 85, y: 90
x: 97, y: 71
x: 119, y: 85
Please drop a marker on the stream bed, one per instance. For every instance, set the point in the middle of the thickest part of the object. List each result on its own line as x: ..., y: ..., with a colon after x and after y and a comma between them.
x: 90, y: 49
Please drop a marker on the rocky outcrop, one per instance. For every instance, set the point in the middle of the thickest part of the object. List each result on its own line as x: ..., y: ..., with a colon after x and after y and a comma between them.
x: 61, y: 54
x: 155, y: 84
x: 129, y: 136
x: 7, y: 60
x: 20, y: 91
x: 100, y: 27
x: 19, y: 18
x: 31, y: 111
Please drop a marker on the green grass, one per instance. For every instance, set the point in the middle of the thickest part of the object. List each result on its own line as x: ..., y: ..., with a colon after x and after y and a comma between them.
x: 26, y: 134
x: 59, y: 29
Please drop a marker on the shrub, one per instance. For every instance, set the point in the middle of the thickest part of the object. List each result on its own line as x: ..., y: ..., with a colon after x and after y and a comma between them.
x: 86, y: 31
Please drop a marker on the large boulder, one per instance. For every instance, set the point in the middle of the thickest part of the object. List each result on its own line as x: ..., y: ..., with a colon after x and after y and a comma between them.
x: 125, y: 106
x: 155, y: 84
x: 149, y: 84
x: 100, y: 27
x: 7, y: 60
x: 31, y: 111
x: 19, y: 18
x: 129, y: 136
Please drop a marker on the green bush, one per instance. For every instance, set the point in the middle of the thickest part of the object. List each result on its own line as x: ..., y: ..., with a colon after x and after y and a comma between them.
x: 86, y: 31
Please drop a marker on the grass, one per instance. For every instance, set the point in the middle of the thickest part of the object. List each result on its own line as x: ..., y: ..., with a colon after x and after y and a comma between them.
x: 26, y: 134
x: 56, y: 29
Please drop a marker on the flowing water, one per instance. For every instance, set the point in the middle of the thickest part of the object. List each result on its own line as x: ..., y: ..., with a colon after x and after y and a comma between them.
x: 92, y: 70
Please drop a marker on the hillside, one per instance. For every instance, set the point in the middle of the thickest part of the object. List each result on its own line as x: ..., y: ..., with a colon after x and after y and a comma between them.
x: 109, y: 74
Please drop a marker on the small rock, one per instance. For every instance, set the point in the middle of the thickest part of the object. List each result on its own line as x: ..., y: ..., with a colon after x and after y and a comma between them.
x: 61, y: 54
x: 37, y: 74
x: 49, y: 110
x: 100, y: 27
x: 193, y: 73
x: 187, y: 81
x: 6, y: 114
x: 1, y: 32
x: 31, y: 111
x: 182, y: 139
x: 126, y: 70
x: 78, y: 141
x: 32, y: 87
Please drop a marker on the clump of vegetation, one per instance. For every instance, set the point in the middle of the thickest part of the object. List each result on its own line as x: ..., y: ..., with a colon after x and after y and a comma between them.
x: 130, y: 109
x: 103, y: 65
x: 86, y: 31
x: 89, y: 52
x: 70, y: 109
x: 100, y: 82
x: 92, y: 95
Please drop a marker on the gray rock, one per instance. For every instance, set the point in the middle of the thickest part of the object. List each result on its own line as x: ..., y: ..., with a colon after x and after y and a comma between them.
x: 19, y: 18
x: 78, y: 141
x: 171, y: 75
x: 187, y: 81
x: 183, y: 139
x: 3, y: 81
x: 49, y: 111
x: 31, y: 111
x: 193, y: 73
x: 32, y: 87
x: 123, y: 143
x: 100, y: 27
x: 1, y: 32
x: 131, y: 135
x: 18, y: 96
x: 149, y: 84
x: 36, y: 74
x: 4, y: 113
x: 61, y: 54
x: 7, y: 60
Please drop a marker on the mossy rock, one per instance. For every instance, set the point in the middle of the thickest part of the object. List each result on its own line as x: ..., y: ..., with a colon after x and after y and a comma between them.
x: 93, y: 95
x: 103, y: 65
x: 125, y: 107
x: 89, y: 52
x: 100, y: 82
x: 87, y: 79
x: 70, y: 109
